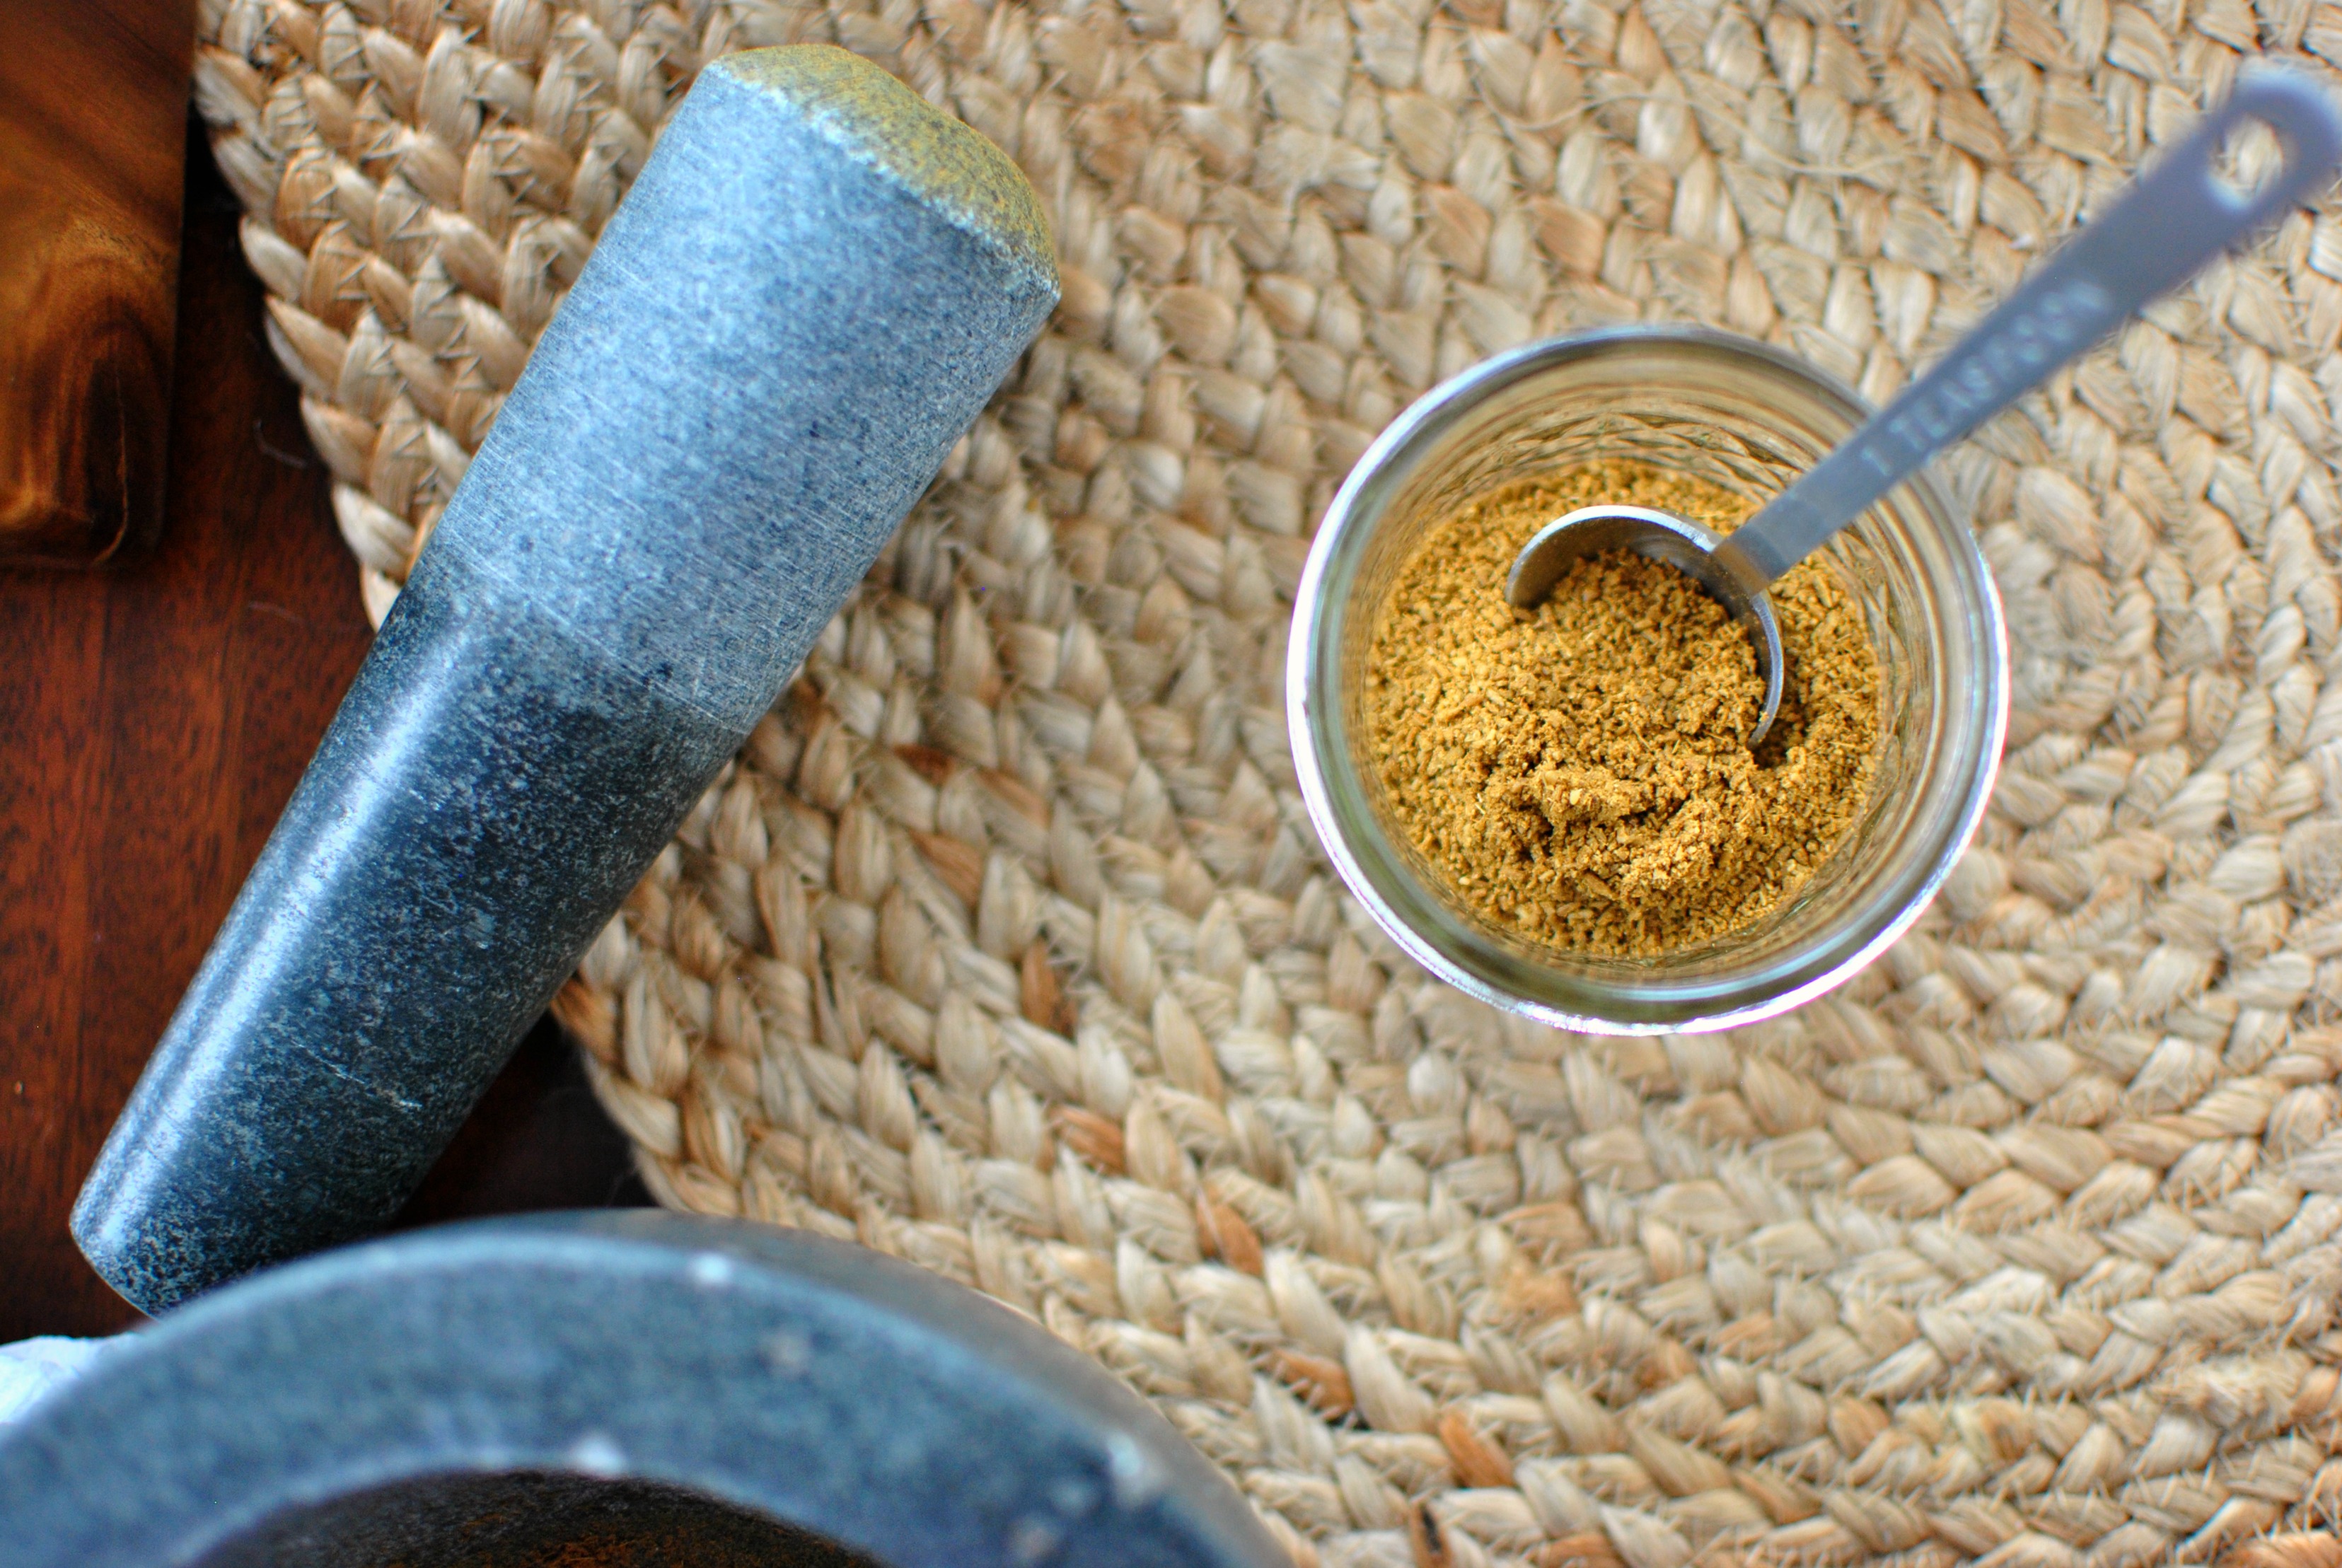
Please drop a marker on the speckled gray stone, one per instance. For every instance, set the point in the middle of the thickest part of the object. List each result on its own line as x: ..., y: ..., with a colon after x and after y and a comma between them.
x: 719, y: 1392
x: 813, y: 287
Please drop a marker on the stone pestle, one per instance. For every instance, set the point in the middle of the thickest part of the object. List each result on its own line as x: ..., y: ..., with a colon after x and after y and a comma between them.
x: 815, y: 285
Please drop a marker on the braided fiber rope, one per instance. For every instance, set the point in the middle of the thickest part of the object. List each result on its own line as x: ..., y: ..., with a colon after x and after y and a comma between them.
x: 1005, y: 945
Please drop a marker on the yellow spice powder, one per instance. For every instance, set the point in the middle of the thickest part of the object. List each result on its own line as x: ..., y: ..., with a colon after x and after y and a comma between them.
x: 1577, y: 772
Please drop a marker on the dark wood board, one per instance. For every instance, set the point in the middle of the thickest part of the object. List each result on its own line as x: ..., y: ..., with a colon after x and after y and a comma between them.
x: 155, y: 719
x: 92, y: 96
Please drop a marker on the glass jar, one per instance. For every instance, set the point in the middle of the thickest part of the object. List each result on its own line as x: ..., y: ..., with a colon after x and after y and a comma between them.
x: 1749, y: 418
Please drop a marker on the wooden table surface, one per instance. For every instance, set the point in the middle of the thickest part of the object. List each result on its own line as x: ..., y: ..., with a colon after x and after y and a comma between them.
x: 156, y: 718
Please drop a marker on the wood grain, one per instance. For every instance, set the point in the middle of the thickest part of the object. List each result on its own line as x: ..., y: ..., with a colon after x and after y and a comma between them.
x: 92, y: 96
x: 154, y: 718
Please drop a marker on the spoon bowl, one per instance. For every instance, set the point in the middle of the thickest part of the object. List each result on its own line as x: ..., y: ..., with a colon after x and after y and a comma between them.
x: 1671, y: 541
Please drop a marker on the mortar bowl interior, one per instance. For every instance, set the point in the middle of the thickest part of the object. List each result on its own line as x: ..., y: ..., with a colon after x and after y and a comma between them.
x: 613, y: 1389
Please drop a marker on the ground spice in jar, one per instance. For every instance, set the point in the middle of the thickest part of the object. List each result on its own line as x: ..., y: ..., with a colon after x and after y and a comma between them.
x: 1578, y: 773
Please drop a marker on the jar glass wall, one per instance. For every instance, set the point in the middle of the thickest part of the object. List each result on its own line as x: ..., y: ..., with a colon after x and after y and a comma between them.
x: 1749, y: 419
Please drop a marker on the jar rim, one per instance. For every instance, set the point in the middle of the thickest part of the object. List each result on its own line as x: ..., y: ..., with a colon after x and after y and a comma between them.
x: 1576, y: 999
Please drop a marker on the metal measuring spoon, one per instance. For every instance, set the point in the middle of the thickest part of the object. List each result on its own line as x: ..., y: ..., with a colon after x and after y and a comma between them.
x: 2158, y: 234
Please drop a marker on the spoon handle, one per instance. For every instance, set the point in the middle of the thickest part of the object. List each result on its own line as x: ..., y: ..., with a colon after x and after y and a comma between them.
x: 2178, y: 217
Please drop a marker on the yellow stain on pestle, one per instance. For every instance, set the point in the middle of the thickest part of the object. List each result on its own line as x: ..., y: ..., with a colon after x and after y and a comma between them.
x: 873, y: 116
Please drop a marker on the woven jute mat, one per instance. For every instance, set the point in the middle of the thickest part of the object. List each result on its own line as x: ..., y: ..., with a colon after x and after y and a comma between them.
x: 1005, y: 945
